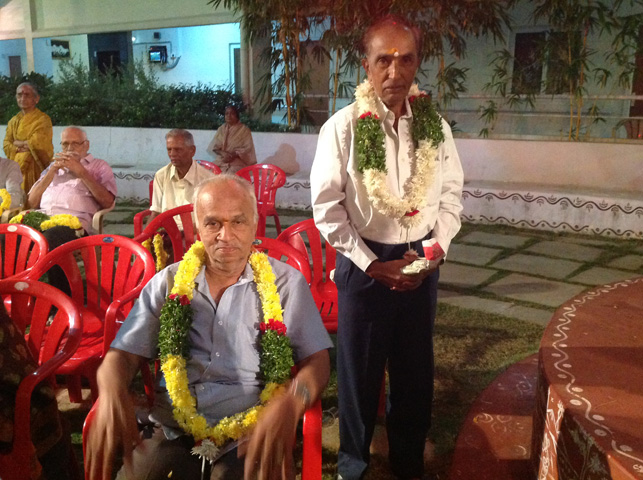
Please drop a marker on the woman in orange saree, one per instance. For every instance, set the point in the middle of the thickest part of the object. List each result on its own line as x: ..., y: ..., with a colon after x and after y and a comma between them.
x: 28, y: 137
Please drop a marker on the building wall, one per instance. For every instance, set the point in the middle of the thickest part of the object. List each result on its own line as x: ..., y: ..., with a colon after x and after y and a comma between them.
x: 9, y: 48
x: 204, y: 53
x: 82, y: 16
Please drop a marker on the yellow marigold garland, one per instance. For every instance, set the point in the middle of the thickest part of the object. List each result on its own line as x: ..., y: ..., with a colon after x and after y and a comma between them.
x: 61, y: 220
x: 41, y: 221
x: 160, y: 255
x: 6, y: 200
x: 176, y: 318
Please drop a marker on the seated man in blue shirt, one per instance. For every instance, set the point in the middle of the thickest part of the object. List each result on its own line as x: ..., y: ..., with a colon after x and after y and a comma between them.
x: 225, y: 366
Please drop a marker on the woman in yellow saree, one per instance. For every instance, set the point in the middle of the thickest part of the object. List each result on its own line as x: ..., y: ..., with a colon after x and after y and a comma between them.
x: 28, y: 138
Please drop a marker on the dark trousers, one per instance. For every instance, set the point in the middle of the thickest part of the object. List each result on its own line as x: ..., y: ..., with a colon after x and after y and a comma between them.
x: 376, y: 326
x: 158, y: 458
x: 57, y: 236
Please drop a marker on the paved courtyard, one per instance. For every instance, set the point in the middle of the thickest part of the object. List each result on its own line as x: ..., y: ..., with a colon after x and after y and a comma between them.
x: 521, y: 274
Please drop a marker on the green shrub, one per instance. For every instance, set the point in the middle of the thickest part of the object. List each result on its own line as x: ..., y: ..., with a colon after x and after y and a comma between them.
x: 130, y: 97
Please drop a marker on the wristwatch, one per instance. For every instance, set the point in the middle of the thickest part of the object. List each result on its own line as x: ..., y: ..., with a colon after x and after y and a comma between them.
x: 300, y: 390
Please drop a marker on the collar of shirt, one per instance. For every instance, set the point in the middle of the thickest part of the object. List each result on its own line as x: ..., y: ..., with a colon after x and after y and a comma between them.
x: 190, y: 177
x: 201, y: 285
x: 388, y: 116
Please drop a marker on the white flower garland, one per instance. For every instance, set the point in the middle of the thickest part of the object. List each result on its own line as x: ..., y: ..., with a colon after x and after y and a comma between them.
x: 406, y: 209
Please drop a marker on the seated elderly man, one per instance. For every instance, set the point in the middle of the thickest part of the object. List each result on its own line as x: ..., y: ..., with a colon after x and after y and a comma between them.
x: 11, y: 181
x: 75, y: 183
x: 219, y: 369
x: 175, y: 183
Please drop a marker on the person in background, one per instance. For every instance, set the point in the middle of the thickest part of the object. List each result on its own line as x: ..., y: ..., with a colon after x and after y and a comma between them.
x: 11, y: 181
x: 28, y: 137
x: 174, y: 184
x: 232, y: 144
x: 386, y: 177
x: 75, y: 183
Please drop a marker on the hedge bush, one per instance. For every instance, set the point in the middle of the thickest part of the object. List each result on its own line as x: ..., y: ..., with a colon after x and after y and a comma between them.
x: 131, y: 97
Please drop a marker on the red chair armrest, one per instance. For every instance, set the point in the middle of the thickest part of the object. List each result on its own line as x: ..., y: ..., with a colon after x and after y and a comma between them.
x: 312, y: 450
x: 139, y: 219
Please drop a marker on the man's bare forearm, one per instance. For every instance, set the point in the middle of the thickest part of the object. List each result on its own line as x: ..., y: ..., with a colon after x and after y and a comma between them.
x: 35, y: 194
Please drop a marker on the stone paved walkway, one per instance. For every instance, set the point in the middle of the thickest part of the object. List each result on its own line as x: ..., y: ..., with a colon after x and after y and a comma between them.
x: 521, y: 274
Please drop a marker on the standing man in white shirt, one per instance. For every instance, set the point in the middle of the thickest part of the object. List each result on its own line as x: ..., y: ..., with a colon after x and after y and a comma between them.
x: 386, y: 176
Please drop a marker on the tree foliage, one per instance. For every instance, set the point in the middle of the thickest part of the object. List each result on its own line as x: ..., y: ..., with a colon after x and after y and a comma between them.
x: 289, y: 23
x: 130, y: 97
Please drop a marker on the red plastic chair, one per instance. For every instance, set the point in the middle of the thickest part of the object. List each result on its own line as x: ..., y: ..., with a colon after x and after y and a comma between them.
x: 266, y: 179
x: 166, y: 222
x: 213, y: 167
x: 51, y: 345
x: 106, y: 273
x: 305, y: 237
x: 286, y: 253
x: 23, y: 246
x: 140, y: 217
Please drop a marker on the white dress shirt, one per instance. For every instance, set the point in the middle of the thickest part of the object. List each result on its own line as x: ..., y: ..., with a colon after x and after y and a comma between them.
x: 169, y: 191
x: 341, y: 207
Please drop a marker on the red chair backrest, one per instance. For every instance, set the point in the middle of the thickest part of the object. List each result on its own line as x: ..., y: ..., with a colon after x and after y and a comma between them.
x: 166, y: 222
x: 23, y: 246
x: 106, y: 273
x: 305, y: 237
x: 214, y: 168
x: 285, y: 253
x: 266, y: 179
x: 51, y: 346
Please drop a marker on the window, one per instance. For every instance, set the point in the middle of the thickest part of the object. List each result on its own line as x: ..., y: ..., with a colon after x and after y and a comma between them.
x: 528, y: 65
x: 534, y: 50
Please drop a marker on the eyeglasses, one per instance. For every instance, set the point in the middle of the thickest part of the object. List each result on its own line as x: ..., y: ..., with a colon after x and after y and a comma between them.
x: 72, y: 144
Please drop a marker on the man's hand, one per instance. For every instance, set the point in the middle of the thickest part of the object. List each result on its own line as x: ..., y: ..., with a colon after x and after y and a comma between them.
x: 390, y: 274
x: 71, y: 162
x: 269, y: 449
x: 114, y: 426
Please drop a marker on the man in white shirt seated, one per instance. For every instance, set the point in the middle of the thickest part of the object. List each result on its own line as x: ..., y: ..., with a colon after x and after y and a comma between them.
x: 175, y: 183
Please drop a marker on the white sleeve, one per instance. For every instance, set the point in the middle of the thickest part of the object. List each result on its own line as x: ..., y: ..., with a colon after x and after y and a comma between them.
x: 328, y: 179
x: 448, y: 222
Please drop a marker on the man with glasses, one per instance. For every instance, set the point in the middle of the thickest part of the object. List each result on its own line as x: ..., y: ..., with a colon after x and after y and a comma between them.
x: 75, y: 183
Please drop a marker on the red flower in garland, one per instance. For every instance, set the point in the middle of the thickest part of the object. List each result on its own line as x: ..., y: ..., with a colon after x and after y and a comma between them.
x: 183, y: 299
x: 413, y: 98
x: 368, y: 115
x: 279, y: 327
x: 412, y: 213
